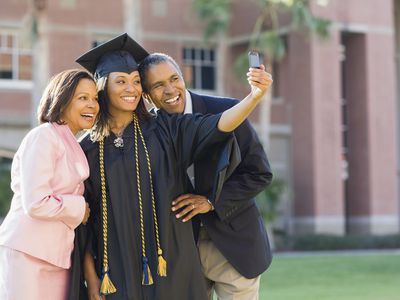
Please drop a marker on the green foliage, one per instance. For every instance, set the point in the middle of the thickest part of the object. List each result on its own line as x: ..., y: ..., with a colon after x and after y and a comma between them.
x: 268, y: 200
x: 5, y: 190
x: 215, y: 13
x: 241, y: 63
x: 302, y: 18
x: 330, y: 242
x: 266, y: 36
x: 272, y: 43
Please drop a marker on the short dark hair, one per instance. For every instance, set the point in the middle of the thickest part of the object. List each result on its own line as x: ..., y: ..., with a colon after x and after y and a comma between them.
x: 152, y: 60
x: 58, y: 94
x: 102, y: 128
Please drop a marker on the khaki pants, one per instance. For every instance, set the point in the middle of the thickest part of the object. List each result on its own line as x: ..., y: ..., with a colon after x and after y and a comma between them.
x: 221, y: 277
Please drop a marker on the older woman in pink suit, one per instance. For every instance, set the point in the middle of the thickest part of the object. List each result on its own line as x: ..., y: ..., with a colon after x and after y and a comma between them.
x: 48, y: 170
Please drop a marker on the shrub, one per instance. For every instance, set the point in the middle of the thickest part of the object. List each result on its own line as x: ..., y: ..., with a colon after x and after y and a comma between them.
x: 5, y: 189
x: 268, y: 200
x: 347, y: 242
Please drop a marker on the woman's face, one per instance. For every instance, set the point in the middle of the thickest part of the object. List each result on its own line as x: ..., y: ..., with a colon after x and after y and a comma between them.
x: 83, y: 108
x: 124, y: 91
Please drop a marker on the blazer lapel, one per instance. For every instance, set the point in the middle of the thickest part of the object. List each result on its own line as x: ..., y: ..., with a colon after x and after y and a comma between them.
x: 198, y: 104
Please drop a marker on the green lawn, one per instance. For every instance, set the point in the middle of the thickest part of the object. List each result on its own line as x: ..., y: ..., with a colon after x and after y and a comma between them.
x: 352, y: 277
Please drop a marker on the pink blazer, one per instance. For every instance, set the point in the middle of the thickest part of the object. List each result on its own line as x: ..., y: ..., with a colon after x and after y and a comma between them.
x: 47, y: 177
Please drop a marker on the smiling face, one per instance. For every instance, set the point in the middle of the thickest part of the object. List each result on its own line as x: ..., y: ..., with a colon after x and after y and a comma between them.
x: 124, y: 91
x: 166, y: 87
x: 82, y: 110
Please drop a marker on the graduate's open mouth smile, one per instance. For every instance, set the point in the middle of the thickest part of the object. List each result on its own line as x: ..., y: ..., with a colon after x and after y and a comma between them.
x: 129, y: 99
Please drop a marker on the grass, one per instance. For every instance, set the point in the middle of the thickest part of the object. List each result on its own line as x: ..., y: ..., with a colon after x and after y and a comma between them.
x: 350, y: 277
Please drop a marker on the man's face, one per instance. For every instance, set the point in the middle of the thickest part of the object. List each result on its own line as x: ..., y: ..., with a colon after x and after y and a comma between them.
x: 166, y: 87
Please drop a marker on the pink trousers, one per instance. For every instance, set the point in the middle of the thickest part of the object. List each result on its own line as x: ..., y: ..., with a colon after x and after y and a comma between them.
x: 25, y: 277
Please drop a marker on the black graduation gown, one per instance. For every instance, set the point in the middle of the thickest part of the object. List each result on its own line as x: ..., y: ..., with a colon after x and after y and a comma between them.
x: 173, y: 143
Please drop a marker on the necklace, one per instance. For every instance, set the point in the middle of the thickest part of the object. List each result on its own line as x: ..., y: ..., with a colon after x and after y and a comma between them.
x: 119, y: 141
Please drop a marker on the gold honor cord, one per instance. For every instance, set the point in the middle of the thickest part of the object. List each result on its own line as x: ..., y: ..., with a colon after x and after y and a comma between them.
x: 162, y: 264
x: 107, y: 287
x: 147, y: 279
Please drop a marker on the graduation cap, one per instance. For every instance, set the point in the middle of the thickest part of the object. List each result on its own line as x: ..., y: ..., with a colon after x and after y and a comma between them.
x: 120, y: 54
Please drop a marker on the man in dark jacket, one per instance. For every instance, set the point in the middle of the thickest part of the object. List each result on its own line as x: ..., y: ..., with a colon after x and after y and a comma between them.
x: 232, y: 239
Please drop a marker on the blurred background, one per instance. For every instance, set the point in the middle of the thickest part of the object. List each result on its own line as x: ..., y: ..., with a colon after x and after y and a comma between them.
x: 330, y: 125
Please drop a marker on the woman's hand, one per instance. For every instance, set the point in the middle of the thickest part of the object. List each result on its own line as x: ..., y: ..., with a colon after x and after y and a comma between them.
x: 93, y: 285
x: 92, y: 281
x: 94, y: 289
x: 87, y: 214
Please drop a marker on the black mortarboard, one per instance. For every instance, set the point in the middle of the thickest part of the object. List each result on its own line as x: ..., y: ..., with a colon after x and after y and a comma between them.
x: 120, y: 54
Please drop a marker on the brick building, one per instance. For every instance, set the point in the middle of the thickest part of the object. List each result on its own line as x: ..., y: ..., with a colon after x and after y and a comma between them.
x: 334, y: 115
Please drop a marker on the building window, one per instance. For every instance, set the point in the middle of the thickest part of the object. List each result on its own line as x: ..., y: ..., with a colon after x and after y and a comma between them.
x: 15, y: 63
x: 199, y: 68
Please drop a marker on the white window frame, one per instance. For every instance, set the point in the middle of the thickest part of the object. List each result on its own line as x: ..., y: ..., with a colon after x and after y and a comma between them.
x: 15, y: 52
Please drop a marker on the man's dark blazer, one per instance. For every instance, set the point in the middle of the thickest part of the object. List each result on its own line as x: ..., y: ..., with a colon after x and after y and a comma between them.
x: 235, y: 226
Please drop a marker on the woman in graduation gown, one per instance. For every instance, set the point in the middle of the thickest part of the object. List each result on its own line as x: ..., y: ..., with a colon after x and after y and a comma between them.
x: 138, y: 249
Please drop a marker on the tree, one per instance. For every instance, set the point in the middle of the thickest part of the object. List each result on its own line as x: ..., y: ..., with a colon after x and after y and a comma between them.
x: 276, y: 18
x: 268, y: 34
x: 267, y: 31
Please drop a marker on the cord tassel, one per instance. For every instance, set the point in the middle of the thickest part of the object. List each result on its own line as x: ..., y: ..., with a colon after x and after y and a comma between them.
x: 162, y: 265
x: 147, y: 278
x: 107, y: 287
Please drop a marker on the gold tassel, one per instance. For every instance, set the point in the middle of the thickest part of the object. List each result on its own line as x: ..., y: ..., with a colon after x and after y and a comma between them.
x: 162, y: 265
x: 107, y: 287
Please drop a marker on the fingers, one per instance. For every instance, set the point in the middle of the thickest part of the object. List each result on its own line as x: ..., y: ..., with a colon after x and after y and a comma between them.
x: 187, y: 199
x: 96, y: 296
x: 260, y: 79
x: 189, y: 205
x: 188, y: 212
x: 259, y: 75
x: 190, y: 215
x: 181, y: 199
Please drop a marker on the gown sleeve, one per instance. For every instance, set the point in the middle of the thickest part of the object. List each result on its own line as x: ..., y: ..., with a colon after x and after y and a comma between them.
x: 38, y: 157
x: 194, y: 135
